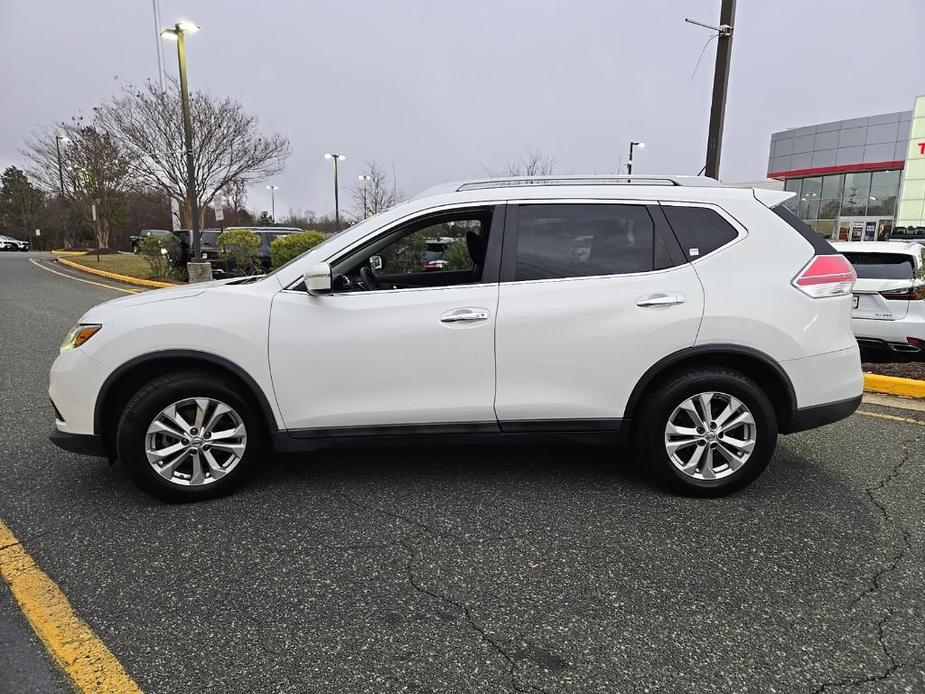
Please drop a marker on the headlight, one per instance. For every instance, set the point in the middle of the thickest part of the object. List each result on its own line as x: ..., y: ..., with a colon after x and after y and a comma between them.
x: 77, y: 335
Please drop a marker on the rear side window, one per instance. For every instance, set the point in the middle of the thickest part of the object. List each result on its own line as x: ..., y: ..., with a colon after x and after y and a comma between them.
x: 584, y: 240
x: 882, y: 266
x: 819, y: 244
x: 699, y: 230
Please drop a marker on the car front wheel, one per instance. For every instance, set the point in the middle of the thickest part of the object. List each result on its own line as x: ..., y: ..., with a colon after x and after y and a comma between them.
x: 708, y: 432
x: 187, y: 437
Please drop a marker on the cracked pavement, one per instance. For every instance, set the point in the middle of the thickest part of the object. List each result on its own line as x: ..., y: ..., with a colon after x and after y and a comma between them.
x: 552, y: 568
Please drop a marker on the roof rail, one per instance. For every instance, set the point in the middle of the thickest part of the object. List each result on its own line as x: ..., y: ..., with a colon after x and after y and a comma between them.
x: 606, y: 180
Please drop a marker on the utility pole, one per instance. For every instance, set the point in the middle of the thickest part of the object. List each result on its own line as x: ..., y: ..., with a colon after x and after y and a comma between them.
x: 365, y: 178
x: 629, y: 163
x: 720, y: 86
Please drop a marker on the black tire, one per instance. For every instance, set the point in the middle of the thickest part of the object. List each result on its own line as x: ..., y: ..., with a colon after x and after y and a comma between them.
x: 661, y: 402
x: 160, y: 393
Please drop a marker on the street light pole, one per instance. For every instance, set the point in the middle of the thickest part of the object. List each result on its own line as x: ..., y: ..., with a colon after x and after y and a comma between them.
x: 335, y: 158
x: 629, y: 164
x: 178, y: 33
x: 365, y: 179
x: 273, y: 190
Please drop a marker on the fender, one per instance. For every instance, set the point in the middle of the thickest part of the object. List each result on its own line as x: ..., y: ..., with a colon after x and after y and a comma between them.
x: 708, y: 351
x: 255, y: 390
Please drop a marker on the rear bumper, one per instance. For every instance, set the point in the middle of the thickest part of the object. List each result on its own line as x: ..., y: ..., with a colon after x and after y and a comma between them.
x: 83, y: 444
x: 820, y: 415
x: 888, y: 332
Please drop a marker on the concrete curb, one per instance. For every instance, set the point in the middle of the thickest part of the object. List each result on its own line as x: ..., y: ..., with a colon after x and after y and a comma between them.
x: 907, y: 387
x: 127, y: 279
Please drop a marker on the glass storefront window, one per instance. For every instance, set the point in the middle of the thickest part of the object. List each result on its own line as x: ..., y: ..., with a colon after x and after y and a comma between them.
x: 809, y: 198
x: 884, y: 188
x: 809, y: 208
x: 831, y: 186
x: 826, y: 227
x: 828, y: 209
x: 792, y: 185
x: 855, y: 197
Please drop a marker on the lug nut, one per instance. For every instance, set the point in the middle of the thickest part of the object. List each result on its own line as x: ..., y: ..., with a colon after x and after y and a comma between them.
x: 194, y: 431
x: 712, y: 425
x: 699, y: 430
x: 207, y: 435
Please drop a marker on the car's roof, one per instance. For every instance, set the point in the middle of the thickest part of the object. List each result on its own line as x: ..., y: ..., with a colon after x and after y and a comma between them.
x: 910, y: 247
x: 666, y: 187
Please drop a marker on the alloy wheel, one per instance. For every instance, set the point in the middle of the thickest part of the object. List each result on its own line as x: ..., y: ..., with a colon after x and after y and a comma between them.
x: 195, y: 441
x: 710, y: 435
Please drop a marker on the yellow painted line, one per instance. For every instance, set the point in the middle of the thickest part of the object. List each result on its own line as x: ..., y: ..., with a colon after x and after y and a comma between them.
x: 60, y: 252
x: 892, y: 417
x: 78, y: 651
x: 128, y: 279
x: 78, y: 279
x: 909, y: 387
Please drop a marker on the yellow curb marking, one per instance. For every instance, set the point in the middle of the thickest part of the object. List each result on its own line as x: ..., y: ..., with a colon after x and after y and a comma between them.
x: 911, y: 388
x: 78, y: 651
x: 66, y: 253
x: 128, y: 279
x: 78, y: 279
x: 892, y: 417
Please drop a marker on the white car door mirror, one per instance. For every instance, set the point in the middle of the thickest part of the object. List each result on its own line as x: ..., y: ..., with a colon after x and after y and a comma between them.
x: 318, y: 279
x: 375, y: 263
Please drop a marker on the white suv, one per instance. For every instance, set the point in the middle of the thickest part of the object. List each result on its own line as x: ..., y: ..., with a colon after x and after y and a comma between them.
x: 696, y: 320
x: 889, y: 295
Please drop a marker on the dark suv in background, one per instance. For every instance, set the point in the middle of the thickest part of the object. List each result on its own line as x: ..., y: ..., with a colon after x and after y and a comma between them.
x: 224, y: 266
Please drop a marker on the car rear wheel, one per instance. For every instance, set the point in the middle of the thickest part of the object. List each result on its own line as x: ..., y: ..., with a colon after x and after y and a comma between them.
x: 707, y: 432
x: 187, y: 437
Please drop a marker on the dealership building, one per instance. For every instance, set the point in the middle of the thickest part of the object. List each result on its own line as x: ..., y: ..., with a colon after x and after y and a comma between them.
x: 861, y: 179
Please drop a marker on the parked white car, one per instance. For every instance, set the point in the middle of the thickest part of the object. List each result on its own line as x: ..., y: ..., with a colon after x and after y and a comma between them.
x: 8, y: 243
x: 888, y: 310
x: 697, y: 320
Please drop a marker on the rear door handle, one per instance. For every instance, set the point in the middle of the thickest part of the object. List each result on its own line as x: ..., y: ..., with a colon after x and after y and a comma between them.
x: 464, y: 315
x: 669, y: 299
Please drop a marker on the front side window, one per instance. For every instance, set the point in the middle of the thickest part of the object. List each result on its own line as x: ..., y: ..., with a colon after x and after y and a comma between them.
x: 583, y: 240
x: 443, y: 250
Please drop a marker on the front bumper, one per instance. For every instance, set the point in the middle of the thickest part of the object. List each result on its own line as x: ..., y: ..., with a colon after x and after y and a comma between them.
x: 83, y: 444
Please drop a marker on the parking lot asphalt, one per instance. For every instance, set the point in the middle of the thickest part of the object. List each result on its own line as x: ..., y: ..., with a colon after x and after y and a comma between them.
x: 553, y: 568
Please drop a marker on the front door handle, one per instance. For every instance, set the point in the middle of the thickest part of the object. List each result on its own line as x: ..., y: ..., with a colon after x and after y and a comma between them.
x: 670, y: 299
x: 464, y: 315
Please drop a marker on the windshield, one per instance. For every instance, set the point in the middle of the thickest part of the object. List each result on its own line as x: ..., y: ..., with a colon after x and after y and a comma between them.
x: 882, y: 266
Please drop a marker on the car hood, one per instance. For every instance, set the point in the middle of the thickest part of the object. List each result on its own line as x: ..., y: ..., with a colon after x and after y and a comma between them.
x: 182, y: 291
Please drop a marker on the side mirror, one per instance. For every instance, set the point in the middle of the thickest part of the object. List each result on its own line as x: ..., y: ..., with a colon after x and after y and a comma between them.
x: 375, y: 263
x: 318, y: 279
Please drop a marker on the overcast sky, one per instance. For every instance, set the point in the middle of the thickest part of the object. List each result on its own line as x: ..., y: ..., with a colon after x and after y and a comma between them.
x: 445, y: 89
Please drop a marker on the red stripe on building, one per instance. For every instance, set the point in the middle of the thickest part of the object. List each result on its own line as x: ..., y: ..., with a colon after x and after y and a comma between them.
x: 844, y: 168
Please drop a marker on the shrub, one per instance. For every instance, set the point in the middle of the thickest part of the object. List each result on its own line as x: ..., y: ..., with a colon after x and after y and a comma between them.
x: 157, y: 251
x: 240, y: 246
x: 285, y: 248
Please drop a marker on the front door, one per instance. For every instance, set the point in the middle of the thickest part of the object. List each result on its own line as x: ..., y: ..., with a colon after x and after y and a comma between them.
x: 590, y: 299
x: 397, y: 347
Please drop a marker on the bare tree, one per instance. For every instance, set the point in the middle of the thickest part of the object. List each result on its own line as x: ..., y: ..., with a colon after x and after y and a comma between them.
x: 531, y: 163
x: 377, y: 193
x: 94, y: 169
x: 228, y: 149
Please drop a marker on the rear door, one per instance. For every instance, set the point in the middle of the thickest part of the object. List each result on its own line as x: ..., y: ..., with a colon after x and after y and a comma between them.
x: 592, y: 295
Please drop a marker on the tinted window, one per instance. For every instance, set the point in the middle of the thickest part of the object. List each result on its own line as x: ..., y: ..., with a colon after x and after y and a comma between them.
x: 882, y: 266
x: 699, y: 230
x: 583, y: 240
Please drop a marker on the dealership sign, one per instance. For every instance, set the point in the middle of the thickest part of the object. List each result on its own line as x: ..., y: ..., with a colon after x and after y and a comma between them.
x: 910, y: 214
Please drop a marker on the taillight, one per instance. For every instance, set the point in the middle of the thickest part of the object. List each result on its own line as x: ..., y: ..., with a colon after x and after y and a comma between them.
x: 904, y: 294
x: 826, y: 275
